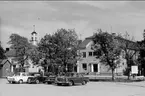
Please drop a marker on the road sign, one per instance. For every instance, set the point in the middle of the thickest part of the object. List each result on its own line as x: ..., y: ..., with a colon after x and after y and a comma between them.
x: 134, y: 69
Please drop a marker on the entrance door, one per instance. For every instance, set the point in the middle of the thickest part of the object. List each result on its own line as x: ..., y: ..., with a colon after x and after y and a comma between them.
x: 95, y: 66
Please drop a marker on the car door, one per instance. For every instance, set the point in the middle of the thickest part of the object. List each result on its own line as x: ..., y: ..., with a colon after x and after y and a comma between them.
x: 75, y: 78
x: 25, y: 77
x: 79, y: 78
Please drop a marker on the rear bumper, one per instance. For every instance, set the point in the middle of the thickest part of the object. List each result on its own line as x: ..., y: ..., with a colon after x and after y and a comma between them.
x: 12, y: 81
x: 62, y: 83
x: 50, y: 81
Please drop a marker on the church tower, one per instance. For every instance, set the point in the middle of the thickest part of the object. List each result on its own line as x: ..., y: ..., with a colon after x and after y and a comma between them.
x: 34, y: 37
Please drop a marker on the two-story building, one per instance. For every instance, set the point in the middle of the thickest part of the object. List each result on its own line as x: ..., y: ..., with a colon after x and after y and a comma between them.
x: 88, y: 63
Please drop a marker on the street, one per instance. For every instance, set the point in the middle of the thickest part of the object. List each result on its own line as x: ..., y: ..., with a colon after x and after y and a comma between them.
x: 92, y: 88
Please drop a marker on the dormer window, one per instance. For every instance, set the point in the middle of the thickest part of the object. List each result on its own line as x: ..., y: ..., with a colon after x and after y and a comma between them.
x: 90, y: 53
x: 84, y: 54
x: 32, y: 38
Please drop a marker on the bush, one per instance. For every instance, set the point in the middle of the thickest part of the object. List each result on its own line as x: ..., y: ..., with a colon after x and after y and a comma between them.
x: 126, y: 71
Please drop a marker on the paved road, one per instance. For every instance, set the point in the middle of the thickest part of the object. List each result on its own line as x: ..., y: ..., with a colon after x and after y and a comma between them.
x: 92, y: 88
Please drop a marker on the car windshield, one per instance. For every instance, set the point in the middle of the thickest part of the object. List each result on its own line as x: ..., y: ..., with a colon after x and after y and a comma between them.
x: 69, y: 74
x: 17, y: 74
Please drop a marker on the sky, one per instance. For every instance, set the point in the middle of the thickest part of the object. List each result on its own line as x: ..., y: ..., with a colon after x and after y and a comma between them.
x: 83, y: 16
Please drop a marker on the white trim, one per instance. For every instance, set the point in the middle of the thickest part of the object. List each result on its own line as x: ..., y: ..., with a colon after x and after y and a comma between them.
x: 99, y: 67
x: 92, y: 68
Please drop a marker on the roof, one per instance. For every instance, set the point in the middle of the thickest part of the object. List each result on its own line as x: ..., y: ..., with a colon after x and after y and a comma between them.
x: 84, y: 43
x: 91, y: 37
x: 34, y: 32
x: 2, y: 62
x: 132, y: 45
x: 11, y: 53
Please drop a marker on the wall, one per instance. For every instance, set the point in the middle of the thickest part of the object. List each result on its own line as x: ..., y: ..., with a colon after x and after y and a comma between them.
x: 6, y: 69
x: 103, y: 69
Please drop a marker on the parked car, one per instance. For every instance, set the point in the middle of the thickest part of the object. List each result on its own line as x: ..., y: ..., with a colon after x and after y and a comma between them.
x: 37, y: 78
x: 50, y: 79
x: 71, y: 79
x: 20, y: 77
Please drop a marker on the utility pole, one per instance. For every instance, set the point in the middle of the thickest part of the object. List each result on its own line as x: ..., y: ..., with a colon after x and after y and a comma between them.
x: 111, y: 29
x: 80, y: 36
x: 34, y: 28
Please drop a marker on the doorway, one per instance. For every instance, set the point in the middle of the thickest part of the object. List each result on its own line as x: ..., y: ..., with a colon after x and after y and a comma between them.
x: 95, y: 67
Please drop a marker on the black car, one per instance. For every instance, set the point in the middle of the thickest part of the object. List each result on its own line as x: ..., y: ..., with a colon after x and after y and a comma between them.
x: 50, y: 79
x: 38, y: 78
x: 71, y: 78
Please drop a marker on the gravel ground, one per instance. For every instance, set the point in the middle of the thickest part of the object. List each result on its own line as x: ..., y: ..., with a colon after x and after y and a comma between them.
x: 92, y: 88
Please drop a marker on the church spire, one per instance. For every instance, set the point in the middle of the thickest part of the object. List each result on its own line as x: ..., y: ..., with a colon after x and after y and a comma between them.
x: 34, y: 36
x: 34, y: 28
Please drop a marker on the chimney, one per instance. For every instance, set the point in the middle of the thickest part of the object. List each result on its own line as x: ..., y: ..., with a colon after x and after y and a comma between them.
x: 7, y: 49
x: 113, y: 34
x: 79, y: 41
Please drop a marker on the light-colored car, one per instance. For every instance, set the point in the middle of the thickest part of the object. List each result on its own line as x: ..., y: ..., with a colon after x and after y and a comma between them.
x: 20, y: 78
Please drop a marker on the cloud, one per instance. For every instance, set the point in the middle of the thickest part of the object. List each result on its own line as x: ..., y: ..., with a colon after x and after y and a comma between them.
x: 84, y: 16
x: 42, y: 27
x: 104, y: 4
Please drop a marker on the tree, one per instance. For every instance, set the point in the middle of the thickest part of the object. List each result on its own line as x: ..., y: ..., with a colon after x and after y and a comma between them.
x: 141, y: 58
x: 35, y: 55
x: 48, y: 49
x: 21, y: 46
x: 60, y: 48
x: 108, y: 50
x: 2, y: 53
x: 130, y: 49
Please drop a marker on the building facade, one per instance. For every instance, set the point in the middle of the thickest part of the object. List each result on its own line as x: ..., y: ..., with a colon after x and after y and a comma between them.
x: 5, y: 68
x: 88, y: 63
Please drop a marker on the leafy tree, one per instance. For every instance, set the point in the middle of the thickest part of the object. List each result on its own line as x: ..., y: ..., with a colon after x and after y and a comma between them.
x: 130, y: 49
x: 21, y: 46
x: 141, y: 58
x: 2, y: 53
x: 60, y: 48
x: 108, y: 50
x: 35, y: 55
x: 48, y: 49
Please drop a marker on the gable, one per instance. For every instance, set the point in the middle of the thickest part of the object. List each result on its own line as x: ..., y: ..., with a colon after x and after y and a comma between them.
x: 5, y: 61
x: 84, y: 44
x: 89, y: 45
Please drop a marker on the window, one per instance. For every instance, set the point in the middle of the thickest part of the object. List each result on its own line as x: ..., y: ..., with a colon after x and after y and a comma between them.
x: 23, y: 74
x: 94, y: 53
x: 84, y: 54
x: 84, y: 65
x: 32, y: 38
x: 97, y: 53
x: 90, y: 53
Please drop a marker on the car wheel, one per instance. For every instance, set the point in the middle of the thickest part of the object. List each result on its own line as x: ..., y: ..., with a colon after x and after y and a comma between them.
x: 71, y: 83
x: 45, y: 82
x: 37, y: 81
x: 59, y: 84
x: 84, y: 82
x: 20, y: 81
x: 48, y: 82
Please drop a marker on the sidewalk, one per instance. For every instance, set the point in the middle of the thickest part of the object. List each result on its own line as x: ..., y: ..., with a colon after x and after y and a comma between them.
x: 135, y: 84
x: 97, y: 77
x: 2, y: 80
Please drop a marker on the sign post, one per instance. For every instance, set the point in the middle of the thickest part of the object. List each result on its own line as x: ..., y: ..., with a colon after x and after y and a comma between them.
x: 134, y: 70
